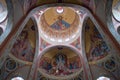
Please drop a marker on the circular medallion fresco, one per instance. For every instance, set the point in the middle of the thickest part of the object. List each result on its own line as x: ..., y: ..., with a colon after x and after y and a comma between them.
x: 110, y: 65
x: 11, y: 65
x: 59, y: 25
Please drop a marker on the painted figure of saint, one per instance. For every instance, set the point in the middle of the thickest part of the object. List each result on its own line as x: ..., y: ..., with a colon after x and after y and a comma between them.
x: 60, y: 24
x: 60, y: 62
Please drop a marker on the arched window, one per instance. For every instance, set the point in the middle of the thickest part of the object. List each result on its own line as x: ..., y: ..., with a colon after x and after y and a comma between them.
x: 103, y: 78
x: 17, y: 78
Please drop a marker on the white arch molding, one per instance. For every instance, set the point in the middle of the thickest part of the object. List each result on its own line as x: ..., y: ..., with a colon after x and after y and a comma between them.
x: 26, y: 20
x: 66, y: 46
x: 13, y: 37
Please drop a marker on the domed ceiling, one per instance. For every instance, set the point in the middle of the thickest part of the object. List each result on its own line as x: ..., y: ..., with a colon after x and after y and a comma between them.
x: 59, y: 25
x: 60, y: 61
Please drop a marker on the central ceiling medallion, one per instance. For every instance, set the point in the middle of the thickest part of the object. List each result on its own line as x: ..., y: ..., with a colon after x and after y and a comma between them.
x: 59, y: 25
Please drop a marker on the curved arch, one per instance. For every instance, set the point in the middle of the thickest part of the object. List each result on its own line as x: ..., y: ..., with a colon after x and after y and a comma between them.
x: 35, y: 59
x: 110, y: 22
x: 83, y: 37
x: 19, y: 29
x: 83, y: 30
x: 9, y: 22
x: 42, y: 7
x: 13, y: 37
x: 86, y: 65
x: 37, y: 36
x: 63, y: 46
x: 68, y: 46
x: 25, y: 43
x: 90, y: 16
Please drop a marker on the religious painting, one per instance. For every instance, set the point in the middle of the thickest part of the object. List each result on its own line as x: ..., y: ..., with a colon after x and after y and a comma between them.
x: 20, y: 72
x: 6, y: 68
x: 46, y: 63
x: 96, y: 47
x: 60, y: 65
x: 24, y: 46
x: 100, y: 47
x: 11, y: 65
x: 61, y: 27
x: 44, y: 44
x: 110, y: 64
x: 76, y: 43
x: 60, y: 24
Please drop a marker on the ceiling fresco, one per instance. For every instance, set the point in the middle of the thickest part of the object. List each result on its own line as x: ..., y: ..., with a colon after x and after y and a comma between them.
x: 77, y: 44
x: 58, y: 53
x: 96, y: 48
x: 99, y: 54
x: 109, y: 67
x: 62, y: 62
x: 63, y: 26
x: 68, y: 18
x: 12, y: 68
x: 28, y: 4
x: 24, y: 46
x: 40, y: 76
x: 44, y: 44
